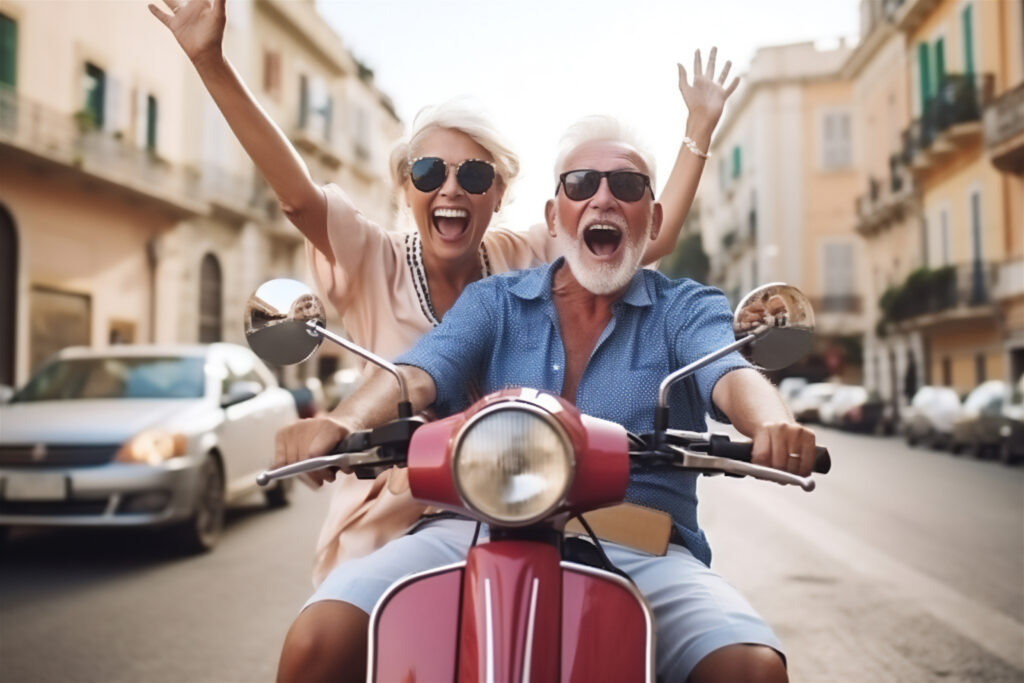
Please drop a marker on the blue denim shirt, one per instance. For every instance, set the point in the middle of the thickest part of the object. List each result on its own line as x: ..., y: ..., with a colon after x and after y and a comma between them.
x: 503, y: 332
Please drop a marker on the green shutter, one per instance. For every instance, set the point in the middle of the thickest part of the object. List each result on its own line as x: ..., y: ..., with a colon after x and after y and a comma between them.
x: 150, y: 122
x: 940, y: 63
x: 925, y: 69
x: 8, y: 50
x: 737, y: 166
x: 968, y: 41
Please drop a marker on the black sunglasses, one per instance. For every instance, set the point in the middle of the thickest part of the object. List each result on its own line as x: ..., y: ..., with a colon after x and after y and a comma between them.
x: 429, y: 173
x: 628, y: 186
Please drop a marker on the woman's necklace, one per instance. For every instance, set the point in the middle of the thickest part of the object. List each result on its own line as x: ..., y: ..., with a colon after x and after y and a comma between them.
x: 414, y: 258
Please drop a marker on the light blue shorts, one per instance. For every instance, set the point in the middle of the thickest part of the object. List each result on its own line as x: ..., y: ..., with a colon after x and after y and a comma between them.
x: 696, y: 611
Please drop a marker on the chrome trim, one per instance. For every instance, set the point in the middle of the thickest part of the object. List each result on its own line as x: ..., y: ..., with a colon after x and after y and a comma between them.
x: 628, y: 585
x: 489, y: 617
x: 528, y: 651
x: 526, y: 405
x: 318, y: 329
x: 377, y: 608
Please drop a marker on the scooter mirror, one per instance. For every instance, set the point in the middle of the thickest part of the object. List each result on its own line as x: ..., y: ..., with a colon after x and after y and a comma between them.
x: 782, y: 321
x: 276, y: 317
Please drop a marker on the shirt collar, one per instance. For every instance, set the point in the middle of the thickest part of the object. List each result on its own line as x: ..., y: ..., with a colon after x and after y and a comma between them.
x: 536, y: 284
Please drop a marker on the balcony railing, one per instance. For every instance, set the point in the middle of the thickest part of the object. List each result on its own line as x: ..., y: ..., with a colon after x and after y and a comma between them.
x: 885, y: 201
x: 929, y: 292
x: 71, y: 141
x: 1004, y: 130
x: 837, y: 303
x: 959, y: 100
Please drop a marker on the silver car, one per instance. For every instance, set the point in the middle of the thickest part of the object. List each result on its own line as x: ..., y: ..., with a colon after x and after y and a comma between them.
x: 140, y: 435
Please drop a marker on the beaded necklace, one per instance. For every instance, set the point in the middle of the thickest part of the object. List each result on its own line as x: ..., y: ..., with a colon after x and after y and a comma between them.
x: 414, y: 259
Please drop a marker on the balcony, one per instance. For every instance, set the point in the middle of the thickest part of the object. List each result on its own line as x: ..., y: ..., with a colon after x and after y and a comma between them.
x: 886, y: 202
x: 951, y: 120
x: 1004, y: 131
x: 950, y: 293
x: 69, y: 144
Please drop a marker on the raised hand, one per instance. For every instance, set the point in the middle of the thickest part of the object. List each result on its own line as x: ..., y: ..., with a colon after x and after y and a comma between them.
x: 197, y: 25
x: 705, y: 97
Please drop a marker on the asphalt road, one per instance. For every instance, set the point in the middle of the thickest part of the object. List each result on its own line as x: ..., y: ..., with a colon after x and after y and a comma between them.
x: 904, y: 565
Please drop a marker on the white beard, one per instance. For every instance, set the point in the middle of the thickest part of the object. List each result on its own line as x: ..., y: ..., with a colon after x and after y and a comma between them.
x: 601, y: 278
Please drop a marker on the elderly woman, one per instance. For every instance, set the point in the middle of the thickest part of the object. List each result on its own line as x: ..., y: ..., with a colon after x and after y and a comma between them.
x: 391, y: 287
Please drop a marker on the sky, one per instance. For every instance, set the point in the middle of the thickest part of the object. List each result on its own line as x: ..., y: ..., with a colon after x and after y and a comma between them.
x: 537, y: 66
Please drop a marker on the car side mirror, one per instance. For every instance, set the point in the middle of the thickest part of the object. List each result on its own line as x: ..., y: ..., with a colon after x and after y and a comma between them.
x: 240, y: 392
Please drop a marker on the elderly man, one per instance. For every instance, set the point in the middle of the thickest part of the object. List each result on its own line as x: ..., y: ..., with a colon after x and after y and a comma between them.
x: 602, y: 333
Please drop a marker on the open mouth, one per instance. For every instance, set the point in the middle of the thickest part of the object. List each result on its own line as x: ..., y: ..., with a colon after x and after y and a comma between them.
x: 602, y: 239
x: 450, y: 223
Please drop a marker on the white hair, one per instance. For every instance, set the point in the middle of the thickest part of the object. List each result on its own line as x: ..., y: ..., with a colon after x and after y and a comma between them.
x: 601, y: 129
x: 455, y: 115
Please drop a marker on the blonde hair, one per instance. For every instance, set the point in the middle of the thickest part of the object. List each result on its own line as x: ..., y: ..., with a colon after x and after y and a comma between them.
x: 459, y: 116
x: 601, y: 129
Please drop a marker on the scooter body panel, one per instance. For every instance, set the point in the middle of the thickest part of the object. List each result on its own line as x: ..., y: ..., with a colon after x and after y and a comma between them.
x: 607, y: 628
x: 414, y: 629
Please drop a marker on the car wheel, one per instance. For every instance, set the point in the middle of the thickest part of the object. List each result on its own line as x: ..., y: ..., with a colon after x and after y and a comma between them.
x: 201, y: 532
x: 278, y: 494
x: 978, y: 450
x: 1005, y: 454
x: 954, y: 447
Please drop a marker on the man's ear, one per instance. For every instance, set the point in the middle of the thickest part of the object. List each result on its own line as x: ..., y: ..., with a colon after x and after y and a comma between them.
x: 549, y: 216
x: 657, y: 214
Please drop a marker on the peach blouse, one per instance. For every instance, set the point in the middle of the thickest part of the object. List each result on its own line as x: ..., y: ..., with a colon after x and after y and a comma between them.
x: 375, y: 280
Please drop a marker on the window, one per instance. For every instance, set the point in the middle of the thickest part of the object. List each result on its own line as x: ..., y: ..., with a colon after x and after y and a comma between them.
x: 210, y: 279
x: 272, y: 72
x: 303, y: 101
x: 57, y: 319
x: 836, y: 144
x: 94, y: 85
x: 944, y: 236
x: 361, y: 134
x: 980, y: 374
x: 839, y: 289
x: 737, y: 162
x: 8, y: 50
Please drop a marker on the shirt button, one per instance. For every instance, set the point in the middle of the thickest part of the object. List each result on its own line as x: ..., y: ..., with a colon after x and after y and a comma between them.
x: 555, y: 367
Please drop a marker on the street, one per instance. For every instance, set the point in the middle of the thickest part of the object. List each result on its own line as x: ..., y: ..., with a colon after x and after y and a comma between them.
x: 904, y: 564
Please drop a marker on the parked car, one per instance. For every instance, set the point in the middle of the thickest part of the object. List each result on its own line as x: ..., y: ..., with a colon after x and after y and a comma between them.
x: 977, y: 426
x: 140, y: 436
x: 929, y: 417
x: 854, y: 408
x: 1011, y: 425
x: 789, y: 387
x: 807, y: 404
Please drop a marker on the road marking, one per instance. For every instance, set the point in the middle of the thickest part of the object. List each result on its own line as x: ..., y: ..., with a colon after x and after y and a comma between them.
x: 992, y: 630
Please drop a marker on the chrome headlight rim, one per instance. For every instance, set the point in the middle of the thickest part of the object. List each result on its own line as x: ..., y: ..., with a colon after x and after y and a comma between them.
x: 537, y: 411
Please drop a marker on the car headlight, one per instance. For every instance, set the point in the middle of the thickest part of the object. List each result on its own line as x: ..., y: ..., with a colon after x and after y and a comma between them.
x: 513, y: 464
x: 152, y: 447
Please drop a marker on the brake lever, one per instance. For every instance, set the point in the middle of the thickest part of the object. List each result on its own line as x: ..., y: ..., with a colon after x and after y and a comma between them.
x: 339, y: 460
x: 714, y: 464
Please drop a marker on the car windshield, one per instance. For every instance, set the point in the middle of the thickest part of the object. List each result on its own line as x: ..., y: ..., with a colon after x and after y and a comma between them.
x: 985, y: 394
x: 118, y: 377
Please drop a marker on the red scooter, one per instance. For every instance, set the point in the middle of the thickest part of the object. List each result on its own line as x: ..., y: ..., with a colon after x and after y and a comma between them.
x: 525, y: 463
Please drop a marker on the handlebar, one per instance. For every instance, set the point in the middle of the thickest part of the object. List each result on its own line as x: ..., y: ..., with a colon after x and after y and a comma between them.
x: 720, y: 445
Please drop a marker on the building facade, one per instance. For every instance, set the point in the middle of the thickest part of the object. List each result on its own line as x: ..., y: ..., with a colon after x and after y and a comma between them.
x: 128, y: 211
x: 939, y: 214
x: 777, y: 203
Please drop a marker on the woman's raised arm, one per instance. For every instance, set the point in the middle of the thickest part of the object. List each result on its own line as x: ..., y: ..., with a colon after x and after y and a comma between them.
x: 705, y: 100
x: 198, y: 26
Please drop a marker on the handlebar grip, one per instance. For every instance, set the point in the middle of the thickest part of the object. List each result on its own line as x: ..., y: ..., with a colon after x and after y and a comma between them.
x: 720, y: 445
x: 354, y: 442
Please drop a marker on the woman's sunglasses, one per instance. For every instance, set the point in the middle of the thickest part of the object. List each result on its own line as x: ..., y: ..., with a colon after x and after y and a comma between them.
x: 628, y: 186
x: 429, y: 173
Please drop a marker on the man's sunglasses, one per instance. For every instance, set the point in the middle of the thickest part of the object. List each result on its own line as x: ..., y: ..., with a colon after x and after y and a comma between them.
x: 627, y: 186
x: 429, y: 173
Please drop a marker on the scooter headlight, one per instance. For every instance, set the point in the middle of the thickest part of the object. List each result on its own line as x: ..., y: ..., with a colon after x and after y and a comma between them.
x: 513, y: 464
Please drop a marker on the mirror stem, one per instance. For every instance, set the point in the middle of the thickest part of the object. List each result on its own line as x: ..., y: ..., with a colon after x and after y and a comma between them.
x: 661, y: 411
x: 404, y: 408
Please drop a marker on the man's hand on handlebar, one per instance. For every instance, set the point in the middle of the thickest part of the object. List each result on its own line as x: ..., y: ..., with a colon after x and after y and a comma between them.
x: 309, y: 438
x: 785, y: 446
